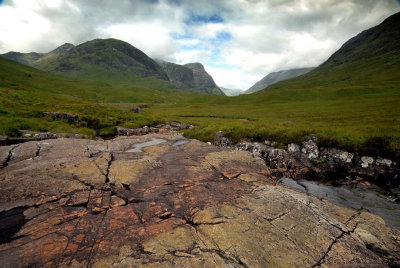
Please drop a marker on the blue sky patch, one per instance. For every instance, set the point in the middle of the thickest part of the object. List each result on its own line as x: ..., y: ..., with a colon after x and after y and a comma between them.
x: 201, y: 19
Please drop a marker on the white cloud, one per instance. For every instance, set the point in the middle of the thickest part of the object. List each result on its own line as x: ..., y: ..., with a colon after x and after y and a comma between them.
x: 20, y: 27
x: 235, y: 78
x: 152, y: 38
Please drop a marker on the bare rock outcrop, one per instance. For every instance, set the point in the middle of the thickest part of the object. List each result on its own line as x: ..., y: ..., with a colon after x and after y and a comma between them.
x: 85, y: 203
x: 62, y: 116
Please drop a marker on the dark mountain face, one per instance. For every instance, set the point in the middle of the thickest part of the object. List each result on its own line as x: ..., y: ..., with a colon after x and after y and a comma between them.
x: 275, y: 77
x: 23, y: 58
x: 178, y: 74
x: 191, y: 77
x: 202, y: 80
x: 374, y: 42
x: 103, y: 59
x: 370, y: 58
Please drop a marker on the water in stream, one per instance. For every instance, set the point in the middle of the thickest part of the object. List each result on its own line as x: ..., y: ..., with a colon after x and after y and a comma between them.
x: 355, y: 197
x: 138, y: 147
x: 179, y: 142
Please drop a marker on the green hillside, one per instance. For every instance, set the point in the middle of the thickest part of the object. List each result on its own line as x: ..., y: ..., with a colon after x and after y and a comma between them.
x: 25, y: 93
x: 350, y: 101
x: 108, y: 60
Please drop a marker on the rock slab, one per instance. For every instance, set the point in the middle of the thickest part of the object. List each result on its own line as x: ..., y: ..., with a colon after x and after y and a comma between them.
x: 85, y: 203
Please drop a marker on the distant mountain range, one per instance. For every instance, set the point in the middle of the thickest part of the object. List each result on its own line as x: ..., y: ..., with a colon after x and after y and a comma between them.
x: 102, y: 59
x: 190, y: 77
x: 275, y: 77
x: 231, y: 92
x: 117, y: 62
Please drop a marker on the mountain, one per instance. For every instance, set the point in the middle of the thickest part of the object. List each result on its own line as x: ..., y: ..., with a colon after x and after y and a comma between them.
x: 275, y: 77
x: 190, y: 77
x: 23, y: 58
x: 179, y: 75
x: 370, y: 59
x: 107, y: 60
x: 231, y: 92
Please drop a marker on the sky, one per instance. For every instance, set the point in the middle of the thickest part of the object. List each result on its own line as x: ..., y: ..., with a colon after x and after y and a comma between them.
x: 238, y: 41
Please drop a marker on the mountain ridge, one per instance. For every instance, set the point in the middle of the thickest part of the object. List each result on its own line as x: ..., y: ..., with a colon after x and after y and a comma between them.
x: 99, y: 59
x: 276, y: 77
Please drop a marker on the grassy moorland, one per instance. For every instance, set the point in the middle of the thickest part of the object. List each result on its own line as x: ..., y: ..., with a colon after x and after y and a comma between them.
x: 351, y: 101
x: 26, y: 92
x: 356, y: 110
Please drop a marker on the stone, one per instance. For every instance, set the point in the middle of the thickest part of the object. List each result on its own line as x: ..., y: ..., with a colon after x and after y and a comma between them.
x: 293, y: 148
x: 135, y: 110
x: 384, y: 161
x: 310, y: 148
x: 366, y: 161
x: 87, y: 203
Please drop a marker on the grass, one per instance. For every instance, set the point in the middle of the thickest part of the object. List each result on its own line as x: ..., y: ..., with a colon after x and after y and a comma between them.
x: 352, y: 106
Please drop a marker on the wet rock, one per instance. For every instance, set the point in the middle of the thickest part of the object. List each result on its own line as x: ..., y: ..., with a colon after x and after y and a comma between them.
x: 62, y: 116
x: 308, y: 161
x: 92, y: 204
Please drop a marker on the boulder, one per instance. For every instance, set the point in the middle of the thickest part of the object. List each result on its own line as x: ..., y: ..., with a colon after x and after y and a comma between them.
x: 293, y: 148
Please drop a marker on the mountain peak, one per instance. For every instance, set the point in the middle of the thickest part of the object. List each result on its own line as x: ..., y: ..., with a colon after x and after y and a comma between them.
x: 191, y: 77
x: 63, y: 48
x: 195, y: 65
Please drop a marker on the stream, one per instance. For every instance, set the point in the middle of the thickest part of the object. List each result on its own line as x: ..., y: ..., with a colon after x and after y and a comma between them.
x: 355, y: 197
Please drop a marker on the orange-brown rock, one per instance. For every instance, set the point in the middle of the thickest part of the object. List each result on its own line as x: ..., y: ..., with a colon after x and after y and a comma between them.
x: 85, y: 203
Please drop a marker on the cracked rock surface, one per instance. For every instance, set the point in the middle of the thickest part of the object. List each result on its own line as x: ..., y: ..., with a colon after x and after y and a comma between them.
x: 85, y: 203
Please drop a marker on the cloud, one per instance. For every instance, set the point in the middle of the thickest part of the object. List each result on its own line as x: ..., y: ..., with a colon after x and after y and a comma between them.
x: 239, y: 41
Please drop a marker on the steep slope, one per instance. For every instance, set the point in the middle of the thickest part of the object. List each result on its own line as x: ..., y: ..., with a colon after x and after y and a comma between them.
x: 109, y: 60
x: 190, y: 77
x: 370, y: 59
x: 23, y: 58
x: 179, y: 75
x: 203, y: 82
x: 275, y: 77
